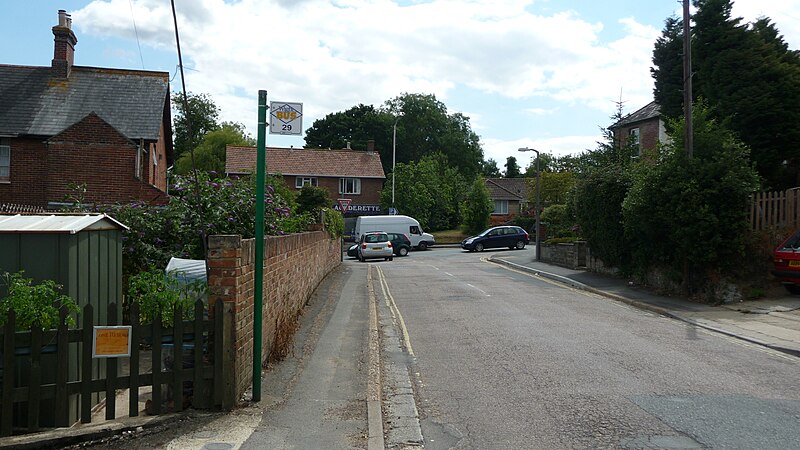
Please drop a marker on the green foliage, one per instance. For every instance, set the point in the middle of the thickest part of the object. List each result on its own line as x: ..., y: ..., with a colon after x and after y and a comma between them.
x: 598, y: 199
x: 431, y: 191
x: 211, y: 206
x: 312, y: 199
x: 512, y: 168
x: 209, y: 156
x: 691, y: 215
x: 747, y: 74
x: 334, y: 222
x: 477, y: 208
x: 201, y: 117
x: 35, y: 305
x: 555, y: 187
x: 489, y: 169
x: 160, y: 294
x: 560, y: 221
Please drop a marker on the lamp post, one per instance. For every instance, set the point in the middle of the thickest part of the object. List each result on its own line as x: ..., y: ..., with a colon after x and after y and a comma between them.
x: 394, y: 152
x: 538, y: 197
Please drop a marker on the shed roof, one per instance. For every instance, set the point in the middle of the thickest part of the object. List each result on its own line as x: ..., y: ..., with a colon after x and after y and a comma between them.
x: 35, y: 103
x: 307, y: 162
x: 57, y: 223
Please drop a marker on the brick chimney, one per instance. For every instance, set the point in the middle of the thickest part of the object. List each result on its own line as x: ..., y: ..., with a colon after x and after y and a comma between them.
x: 371, y: 146
x: 65, y: 40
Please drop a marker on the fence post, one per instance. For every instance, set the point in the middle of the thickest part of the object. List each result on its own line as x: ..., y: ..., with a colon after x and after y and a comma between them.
x: 7, y: 405
x: 133, y: 397
x: 111, y: 370
x: 86, y: 364
x: 62, y: 372
x: 177, y: 359
x: 35, y: 380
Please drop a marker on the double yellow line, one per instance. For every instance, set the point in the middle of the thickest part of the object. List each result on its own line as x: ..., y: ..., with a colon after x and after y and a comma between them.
x: 398, y: 317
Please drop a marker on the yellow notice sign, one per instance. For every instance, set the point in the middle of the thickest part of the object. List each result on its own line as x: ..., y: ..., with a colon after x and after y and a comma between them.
x: 111, y: 342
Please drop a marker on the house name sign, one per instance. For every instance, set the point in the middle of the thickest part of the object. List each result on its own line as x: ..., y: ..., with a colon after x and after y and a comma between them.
x: 374, y: 209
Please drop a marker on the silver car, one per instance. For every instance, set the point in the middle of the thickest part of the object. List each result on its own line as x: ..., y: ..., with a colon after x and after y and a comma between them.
x: 375, y: 244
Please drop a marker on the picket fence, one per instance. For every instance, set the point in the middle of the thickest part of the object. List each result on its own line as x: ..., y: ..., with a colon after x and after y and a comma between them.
x: 778, y: 209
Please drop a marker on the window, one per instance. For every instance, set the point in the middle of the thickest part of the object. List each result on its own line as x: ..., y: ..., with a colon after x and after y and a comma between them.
x: 299, y: 182
x: 633, y: 137
x: 500, y: 207
x: 5, y: 160
x: 350, y: 186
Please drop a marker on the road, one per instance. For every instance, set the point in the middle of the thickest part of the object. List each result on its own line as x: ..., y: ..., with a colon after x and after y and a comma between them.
x: 503, y: 359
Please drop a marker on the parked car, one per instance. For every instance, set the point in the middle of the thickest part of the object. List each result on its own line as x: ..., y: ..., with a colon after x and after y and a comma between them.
x: 395, y: 224
x: 512, y: 237
x: 786, y: 259
x: 375, y: 244
x: 400, y: 243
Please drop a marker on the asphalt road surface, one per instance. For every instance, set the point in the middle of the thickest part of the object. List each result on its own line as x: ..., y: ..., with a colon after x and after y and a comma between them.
x: 506, y: 360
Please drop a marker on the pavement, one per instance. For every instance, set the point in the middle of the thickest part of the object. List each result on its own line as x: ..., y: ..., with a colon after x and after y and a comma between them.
x: 773, y: 323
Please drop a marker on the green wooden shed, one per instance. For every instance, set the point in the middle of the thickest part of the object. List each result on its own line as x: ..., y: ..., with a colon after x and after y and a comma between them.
x: 80, y: 252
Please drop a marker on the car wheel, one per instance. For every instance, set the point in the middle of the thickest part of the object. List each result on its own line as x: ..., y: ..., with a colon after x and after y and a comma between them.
x: 422, y: 246
x: 792, y: 288
x: 402, y: 251
x: 391, y: 258
x: 361, y: 258
x: 478, y: 247
x: 520, y: 245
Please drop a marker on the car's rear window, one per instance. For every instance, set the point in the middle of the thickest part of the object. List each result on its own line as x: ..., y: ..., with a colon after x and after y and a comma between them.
x: 792, y: 243
x: 376, y: 238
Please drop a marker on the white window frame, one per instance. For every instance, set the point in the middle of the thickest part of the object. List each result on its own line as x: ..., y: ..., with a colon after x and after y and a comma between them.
x: 5, y: 161
x: 299, y: 182
x: 500, y: 207
x: 634, y: 136
x: 350, y: 186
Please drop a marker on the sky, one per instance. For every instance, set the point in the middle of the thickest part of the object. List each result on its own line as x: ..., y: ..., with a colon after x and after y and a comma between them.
x: 543, y: 74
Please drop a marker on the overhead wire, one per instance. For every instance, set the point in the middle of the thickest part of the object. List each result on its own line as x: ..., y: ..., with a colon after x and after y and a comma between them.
x: 136, y: 32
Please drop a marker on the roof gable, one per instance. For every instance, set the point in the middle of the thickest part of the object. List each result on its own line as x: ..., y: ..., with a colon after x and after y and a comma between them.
x: 307, y: 162
x: 37, y: 104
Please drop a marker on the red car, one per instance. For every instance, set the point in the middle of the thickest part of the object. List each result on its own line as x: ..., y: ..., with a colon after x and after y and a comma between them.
x: 787, y: 263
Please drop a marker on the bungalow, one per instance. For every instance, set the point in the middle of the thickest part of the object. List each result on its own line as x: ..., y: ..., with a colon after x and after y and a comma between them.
x: 352, y: 177
x: 510, y: 197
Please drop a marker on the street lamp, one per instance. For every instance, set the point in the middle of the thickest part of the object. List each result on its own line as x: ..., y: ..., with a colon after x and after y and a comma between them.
x: 538, y: 196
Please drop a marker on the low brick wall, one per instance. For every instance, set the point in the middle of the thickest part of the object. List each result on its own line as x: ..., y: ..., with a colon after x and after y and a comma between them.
x: 572, y: 255
x: 294, y: 266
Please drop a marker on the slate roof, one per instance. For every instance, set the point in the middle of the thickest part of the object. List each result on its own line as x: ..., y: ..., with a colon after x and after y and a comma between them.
x: 33, y: 103
x: 508, y: 188
x: 648, y: 111
x: 307, y: 162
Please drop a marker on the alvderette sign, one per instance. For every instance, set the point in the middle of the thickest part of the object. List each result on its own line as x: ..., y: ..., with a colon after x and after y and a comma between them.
x: 286, y: 118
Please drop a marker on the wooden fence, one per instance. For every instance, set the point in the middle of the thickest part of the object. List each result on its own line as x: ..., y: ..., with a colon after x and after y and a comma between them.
x: 780, y: 209
x: 203, y: 369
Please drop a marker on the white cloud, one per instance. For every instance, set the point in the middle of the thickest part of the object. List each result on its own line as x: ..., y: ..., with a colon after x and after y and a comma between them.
x: 499, y: 150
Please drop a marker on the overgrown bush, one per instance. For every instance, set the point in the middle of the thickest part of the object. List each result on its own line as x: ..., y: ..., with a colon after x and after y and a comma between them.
x: 334, y: 222
x: 35, y: 305
x: 690, y: 215
x: 160, y: 294
x: 476, y: 208
x: 312, y: 199
x: 560, y: 221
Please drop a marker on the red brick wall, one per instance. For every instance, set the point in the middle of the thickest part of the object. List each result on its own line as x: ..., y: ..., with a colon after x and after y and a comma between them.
x: 294, y: 266
x: 89, y: 152
x: 648, y: 133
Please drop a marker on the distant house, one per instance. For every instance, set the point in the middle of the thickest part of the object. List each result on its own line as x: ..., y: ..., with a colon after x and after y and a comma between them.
x: 354, y: 175
x: 65, y: 126
x: 643, y: 128
x: 510, y: 197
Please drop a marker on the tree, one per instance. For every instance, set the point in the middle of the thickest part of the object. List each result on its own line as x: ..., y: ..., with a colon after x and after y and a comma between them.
x: 209, y: 156
x: 749, y: 78
x: 512, y: 168
x: 200, y: 118
x: 430, y: 191
x: 477, y: 207
x: 312, y: 198
x: 425, y: 128
x: 489, y: 169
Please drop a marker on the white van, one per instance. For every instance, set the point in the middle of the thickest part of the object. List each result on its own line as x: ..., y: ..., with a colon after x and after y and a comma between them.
x: 395, y: 224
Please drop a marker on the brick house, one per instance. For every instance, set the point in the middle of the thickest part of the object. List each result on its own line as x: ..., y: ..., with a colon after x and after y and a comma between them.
x: 65, y: 125
x: 510, y: 197
x: 643, y: 128
x: 356, y: 175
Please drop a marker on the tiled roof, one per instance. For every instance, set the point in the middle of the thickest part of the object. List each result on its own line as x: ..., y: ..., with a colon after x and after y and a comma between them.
x: 307, y: 162
x: 648, y: 111
x: 34, y: 103
x: 508, y: 188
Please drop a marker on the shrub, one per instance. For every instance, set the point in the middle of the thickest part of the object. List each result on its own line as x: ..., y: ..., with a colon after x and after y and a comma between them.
x: 477, y: 207
x: 35, y: 305
x: 160, y: 294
